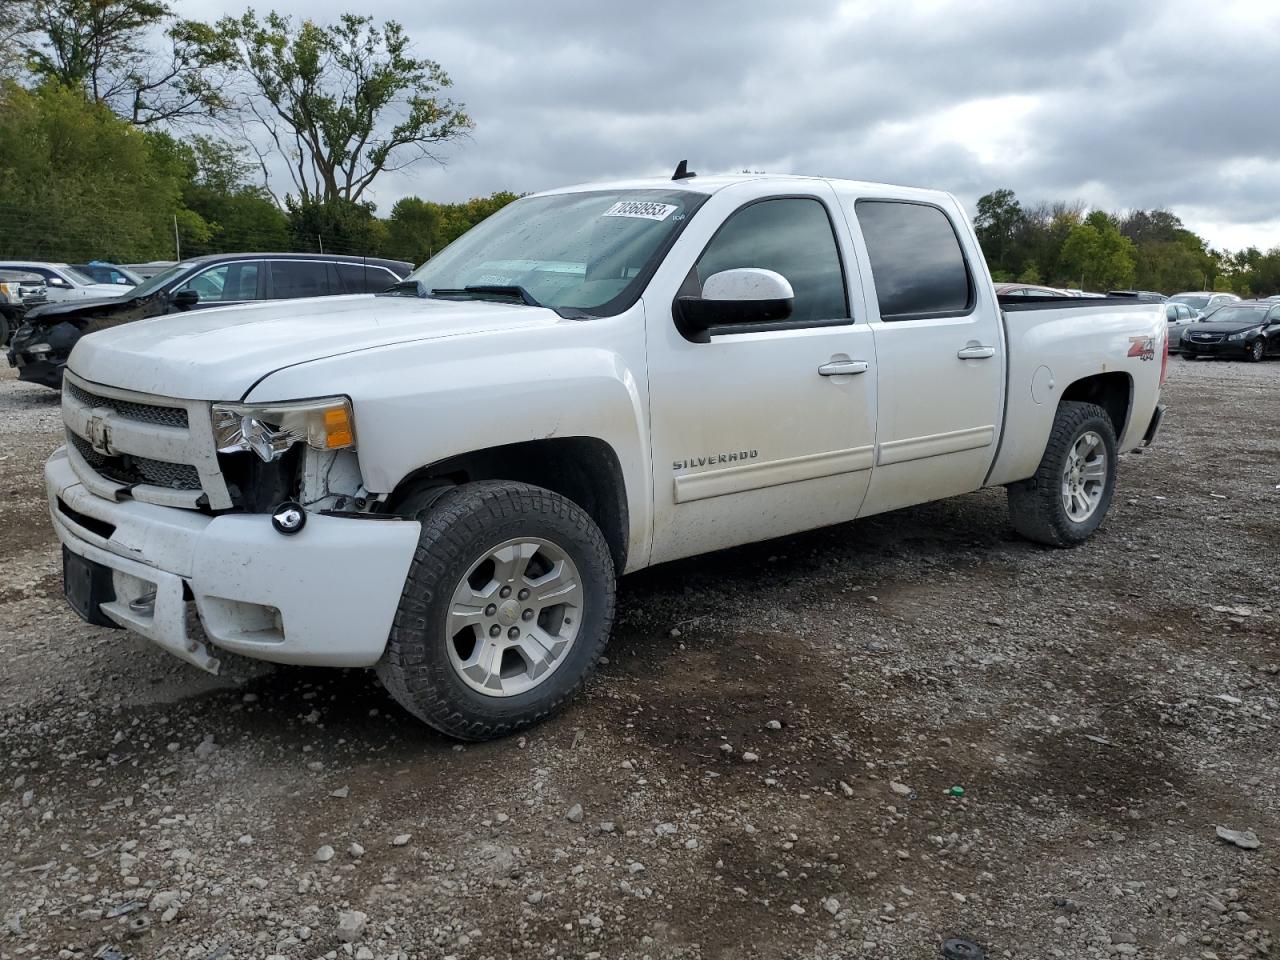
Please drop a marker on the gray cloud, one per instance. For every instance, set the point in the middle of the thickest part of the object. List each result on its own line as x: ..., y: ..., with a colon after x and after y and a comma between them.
x: 1147, y: 103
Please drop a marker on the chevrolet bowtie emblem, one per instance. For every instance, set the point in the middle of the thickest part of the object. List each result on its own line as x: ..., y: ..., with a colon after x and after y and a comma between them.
x: 100, y: 431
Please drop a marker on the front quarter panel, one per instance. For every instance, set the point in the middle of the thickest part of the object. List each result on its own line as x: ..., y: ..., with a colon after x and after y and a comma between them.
x: 419, y: 403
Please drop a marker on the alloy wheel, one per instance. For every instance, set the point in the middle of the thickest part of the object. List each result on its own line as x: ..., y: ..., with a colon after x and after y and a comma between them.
x: 514, y: 616
x: 1084, y: 478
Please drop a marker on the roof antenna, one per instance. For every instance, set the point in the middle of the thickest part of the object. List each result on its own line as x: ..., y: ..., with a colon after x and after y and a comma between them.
x: 682, y: 171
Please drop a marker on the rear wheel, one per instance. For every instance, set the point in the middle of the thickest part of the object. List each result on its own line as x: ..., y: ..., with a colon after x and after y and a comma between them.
x: 506, y: 609
x: 1066, y: 500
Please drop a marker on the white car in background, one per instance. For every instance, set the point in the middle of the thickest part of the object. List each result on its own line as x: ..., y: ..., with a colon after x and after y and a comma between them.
x: 1180, y: 316
x: 1202, y: 301
x: 63, y: 282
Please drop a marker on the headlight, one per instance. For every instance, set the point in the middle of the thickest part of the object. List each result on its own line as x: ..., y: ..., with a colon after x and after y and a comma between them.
x: 1245, y: 333
x: 270, y: 429
x: 39, y: 348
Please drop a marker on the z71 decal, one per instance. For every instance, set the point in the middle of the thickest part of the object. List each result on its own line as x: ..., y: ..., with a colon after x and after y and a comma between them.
x: 1144, y: 347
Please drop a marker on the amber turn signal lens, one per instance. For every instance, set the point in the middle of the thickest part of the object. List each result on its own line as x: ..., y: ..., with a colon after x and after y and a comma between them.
x: 337, y: 428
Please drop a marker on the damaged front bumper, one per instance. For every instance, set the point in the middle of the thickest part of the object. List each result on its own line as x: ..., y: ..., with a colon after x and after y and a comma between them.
x: 194, y: 583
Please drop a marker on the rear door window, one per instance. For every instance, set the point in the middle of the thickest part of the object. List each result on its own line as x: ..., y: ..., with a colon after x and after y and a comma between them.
x: 364, y: 278
x: 917, y: 264
x: 291, y: 279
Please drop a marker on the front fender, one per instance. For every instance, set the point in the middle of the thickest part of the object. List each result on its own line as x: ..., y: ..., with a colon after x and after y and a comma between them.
x: 422, y: 402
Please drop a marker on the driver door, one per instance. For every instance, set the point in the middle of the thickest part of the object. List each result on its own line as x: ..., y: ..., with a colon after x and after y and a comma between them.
x: 756, y: 433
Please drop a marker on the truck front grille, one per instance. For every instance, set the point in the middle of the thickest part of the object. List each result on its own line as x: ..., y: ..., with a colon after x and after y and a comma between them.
x: 127, y: 468
x: 142, y: 412
x: 161, y: 447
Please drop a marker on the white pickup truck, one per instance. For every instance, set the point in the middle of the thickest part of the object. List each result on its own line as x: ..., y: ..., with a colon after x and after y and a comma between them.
x: 442, y: 482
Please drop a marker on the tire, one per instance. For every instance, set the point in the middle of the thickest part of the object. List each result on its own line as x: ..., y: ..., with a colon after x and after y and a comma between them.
x: 4, y: 330
x: 1037, y: 507
x: 1257, y: 351
x: 449, y: 679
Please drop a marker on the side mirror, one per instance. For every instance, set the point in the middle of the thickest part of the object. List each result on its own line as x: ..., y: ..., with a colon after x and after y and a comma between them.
x: 186, y: 299
x: 58, y: 282
x: 745, y: 296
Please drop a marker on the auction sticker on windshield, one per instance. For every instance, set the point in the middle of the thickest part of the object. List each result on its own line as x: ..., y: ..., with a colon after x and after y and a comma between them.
x: 644, y: 209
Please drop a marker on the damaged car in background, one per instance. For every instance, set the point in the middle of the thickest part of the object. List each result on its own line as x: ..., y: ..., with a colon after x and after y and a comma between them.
x: 40, y: 347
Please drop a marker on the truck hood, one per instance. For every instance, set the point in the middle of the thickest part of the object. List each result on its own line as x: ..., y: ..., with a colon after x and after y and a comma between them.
x: 219, y: 353
x: 84, y: 308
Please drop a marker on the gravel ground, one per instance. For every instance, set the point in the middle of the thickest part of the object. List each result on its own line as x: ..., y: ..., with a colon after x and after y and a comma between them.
x: 764, y: 767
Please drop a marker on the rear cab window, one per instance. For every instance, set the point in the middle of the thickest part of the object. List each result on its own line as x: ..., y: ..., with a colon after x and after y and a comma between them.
x: 918, y: 265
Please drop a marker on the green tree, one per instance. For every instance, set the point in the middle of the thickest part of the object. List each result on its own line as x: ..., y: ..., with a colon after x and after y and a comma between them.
x: 1097, y: 253
x: 418, y: 229
x: 344, y: 103
x: 76, y: 182
x: 237, y: 214
x: 106, y: 49
x: 414, y: 230
x: 1030, y: 274
x: 338, y: 226
x: 997, y: 222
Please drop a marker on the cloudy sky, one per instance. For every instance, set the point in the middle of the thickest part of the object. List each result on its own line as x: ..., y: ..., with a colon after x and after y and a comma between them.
x: 1121, y: 104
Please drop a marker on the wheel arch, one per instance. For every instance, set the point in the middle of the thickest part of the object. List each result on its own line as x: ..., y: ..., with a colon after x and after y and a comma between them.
x: 1113, y: 392
x: 584, y: 469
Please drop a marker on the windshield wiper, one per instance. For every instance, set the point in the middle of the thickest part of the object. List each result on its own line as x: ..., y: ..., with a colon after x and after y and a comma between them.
x: 481, y: 291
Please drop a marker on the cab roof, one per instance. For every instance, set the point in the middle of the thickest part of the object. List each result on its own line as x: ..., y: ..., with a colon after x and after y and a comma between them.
x: 713, y: 183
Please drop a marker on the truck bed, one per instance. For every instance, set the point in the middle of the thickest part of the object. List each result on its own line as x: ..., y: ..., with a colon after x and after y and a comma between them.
x: 1055, y: 344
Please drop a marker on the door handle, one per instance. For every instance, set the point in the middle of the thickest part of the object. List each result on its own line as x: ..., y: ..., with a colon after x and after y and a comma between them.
x: 843, y: 368
x: 975, y: 351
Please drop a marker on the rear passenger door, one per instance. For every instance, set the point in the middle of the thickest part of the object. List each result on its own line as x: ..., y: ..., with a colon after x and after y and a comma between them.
x: 939, y: 348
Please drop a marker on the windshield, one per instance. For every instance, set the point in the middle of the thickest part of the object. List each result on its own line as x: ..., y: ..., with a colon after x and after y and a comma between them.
x: 77, y: 276
x: 584, y: 252
x: 161, y: 279
x: 1193, y: 301
x: 1238, y: 313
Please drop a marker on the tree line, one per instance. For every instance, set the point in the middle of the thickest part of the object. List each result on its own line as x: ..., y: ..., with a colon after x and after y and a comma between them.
x: 128, y: 133
x: 1067, y: 245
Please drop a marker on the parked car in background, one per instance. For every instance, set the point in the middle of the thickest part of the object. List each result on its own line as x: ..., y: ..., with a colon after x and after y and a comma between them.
x: 1248, y: 330
x: 39, y: 348
x: 1029, y: 290
x: 64, y: 281
x: 1204, y: 300
x: 149, y: 269
x: 1146, y: 296
x: 18, y: 292
x: 109, y: 273
x: 1180, y: 316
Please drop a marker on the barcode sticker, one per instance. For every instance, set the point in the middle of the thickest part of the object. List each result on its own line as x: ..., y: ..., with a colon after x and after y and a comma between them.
x: 643, y: 209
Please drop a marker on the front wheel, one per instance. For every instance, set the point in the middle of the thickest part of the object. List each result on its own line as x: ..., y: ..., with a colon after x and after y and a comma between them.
x: 1065, y: 501
x: 1257, y: 351
x: 506, y: 609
